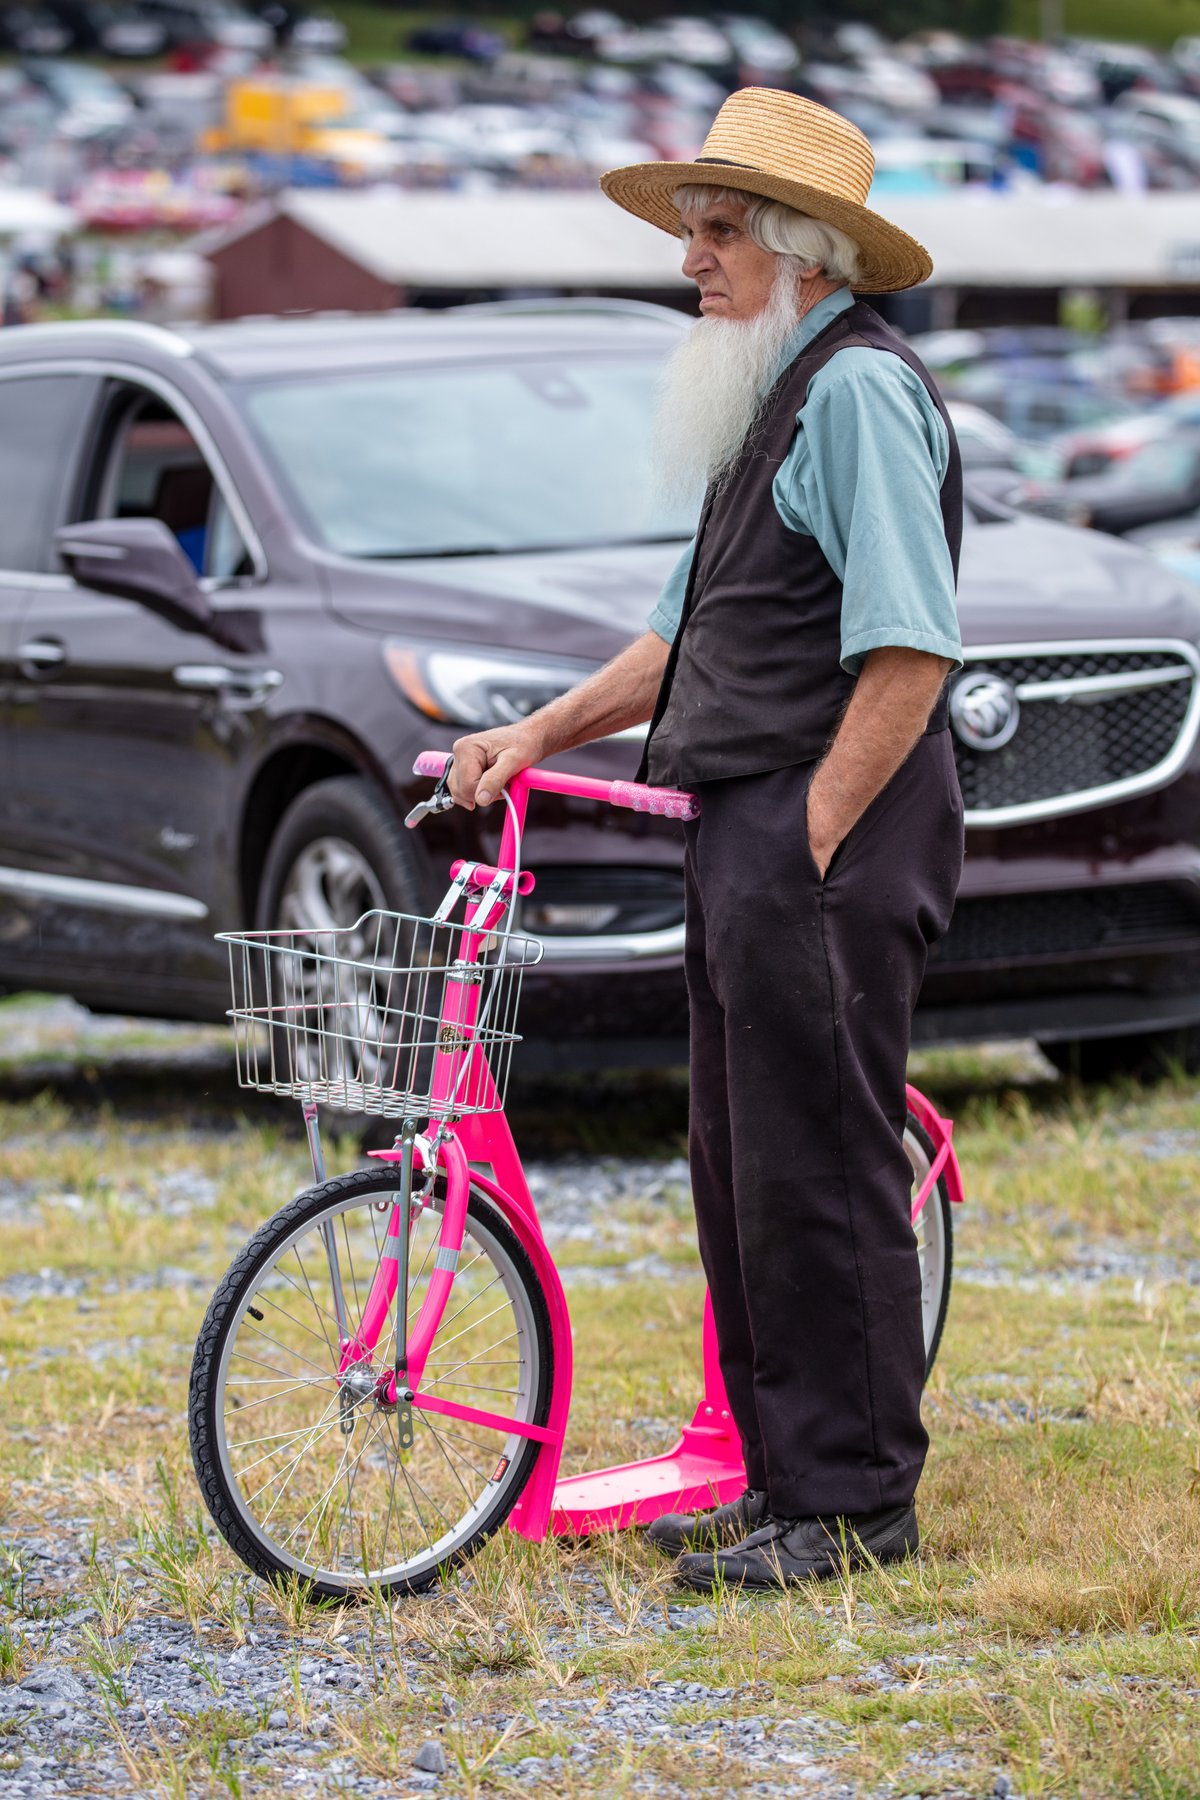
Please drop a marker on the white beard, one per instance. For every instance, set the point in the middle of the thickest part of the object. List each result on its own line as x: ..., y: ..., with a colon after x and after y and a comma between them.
x: 713, y: 387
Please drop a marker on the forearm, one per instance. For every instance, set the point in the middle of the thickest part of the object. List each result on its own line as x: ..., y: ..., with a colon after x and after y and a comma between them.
x: 617, y: 696
x: 888, y: 712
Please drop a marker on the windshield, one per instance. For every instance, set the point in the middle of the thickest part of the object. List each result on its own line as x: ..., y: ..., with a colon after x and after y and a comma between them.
x: 524, y: 456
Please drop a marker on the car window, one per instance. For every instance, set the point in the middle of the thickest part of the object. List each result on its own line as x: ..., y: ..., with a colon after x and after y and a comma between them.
x: 1167, y: 466
x: 40, y: 420
x: 410, y: 462
x: 152, y: 468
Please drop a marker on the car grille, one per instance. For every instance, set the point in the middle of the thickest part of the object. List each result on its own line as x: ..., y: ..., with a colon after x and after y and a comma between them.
x: 1085, y: 743
x: 599, y: 899
x: 1008, y: 928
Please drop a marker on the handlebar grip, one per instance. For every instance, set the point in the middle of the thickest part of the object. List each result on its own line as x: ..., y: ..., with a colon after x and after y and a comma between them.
x: 431, y: 762
x: 670, y: 803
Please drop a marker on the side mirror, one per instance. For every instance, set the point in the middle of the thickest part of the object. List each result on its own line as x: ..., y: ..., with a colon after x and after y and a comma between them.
x: 141, y: 560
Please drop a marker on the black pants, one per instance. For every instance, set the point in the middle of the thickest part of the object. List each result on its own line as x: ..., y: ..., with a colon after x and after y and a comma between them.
x: 802, y: 993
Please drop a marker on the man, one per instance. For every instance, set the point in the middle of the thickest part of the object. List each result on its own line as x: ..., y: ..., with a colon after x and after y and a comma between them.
x: 794, y: 672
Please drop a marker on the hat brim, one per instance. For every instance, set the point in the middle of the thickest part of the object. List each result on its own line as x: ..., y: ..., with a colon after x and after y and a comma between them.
x: 889, y: 260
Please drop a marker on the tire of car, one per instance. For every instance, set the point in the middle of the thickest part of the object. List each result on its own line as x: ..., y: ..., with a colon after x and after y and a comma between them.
x: 340, y: 842
x: 1141, y: 1056
x: 340, y: 851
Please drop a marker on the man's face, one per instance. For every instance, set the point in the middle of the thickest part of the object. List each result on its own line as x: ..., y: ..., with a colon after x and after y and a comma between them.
x: 733, y: 273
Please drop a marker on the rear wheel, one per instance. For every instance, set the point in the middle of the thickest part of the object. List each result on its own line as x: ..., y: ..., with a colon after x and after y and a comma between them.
x: 300, y: 1466
x: 935, y: 1238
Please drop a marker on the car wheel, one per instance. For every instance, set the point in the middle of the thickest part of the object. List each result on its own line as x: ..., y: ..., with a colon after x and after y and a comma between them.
x: 1142, y: 1056
x: 339, y: 851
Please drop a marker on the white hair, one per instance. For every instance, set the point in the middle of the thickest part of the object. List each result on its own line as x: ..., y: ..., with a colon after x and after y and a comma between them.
x: 781, y: 229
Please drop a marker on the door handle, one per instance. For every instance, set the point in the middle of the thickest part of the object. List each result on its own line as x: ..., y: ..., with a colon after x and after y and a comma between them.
x: 40, y: 655
x: 215, y: 678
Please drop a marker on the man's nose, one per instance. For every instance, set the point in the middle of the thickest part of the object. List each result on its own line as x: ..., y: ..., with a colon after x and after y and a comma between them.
x: 698, y: 259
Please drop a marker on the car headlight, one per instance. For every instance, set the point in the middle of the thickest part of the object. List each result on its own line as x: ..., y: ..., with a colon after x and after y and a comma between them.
x: 478, y: 688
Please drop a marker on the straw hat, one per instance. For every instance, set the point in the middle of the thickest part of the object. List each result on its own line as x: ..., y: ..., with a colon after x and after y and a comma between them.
x: 786, y: 148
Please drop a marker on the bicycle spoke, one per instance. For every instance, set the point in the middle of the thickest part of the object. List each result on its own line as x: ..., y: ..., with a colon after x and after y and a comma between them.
x: 319, y: 1475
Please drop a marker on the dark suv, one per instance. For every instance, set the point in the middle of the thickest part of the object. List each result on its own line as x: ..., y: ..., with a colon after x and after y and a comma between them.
x: 247, y: 571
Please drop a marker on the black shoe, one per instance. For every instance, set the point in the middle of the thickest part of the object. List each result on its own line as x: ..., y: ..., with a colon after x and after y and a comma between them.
x: 786, y: 1551
x: 724, y: 1526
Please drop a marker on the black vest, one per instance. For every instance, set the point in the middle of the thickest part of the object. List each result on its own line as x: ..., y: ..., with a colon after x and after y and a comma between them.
x: 754, y: 681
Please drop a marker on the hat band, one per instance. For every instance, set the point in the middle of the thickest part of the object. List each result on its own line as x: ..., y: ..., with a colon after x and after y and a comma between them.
x: 727, y: 162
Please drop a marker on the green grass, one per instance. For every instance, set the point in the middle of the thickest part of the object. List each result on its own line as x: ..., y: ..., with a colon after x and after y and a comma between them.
x: 1051, y: 1630
x: 1154, y: 22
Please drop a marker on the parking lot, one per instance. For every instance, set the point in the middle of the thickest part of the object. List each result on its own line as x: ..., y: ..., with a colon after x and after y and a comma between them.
x: 250, y: 567
x: 1043, y: 1646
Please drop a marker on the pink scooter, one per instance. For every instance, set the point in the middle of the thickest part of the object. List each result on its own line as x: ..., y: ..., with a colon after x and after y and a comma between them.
x: 383, y: 1377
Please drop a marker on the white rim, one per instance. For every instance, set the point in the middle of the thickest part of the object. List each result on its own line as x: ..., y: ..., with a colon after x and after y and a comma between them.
x: 930, y: 1228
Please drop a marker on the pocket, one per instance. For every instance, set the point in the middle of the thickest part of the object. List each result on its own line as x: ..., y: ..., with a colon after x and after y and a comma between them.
x: 813, y: 869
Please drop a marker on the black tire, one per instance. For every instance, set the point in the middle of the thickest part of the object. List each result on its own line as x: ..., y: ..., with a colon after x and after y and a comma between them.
x: 1146, y: 1056
x: 349, y: 817
x: 227, y: 1310
x: 350, y: 808
x: 942, y: 1221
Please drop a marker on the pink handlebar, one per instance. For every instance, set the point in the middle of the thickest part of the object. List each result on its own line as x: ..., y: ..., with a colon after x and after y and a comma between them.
x: 669, y: 803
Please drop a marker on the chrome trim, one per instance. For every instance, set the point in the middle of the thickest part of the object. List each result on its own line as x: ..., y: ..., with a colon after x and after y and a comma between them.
x: 113, y: 552
x: 106, y: 896
x: 1088, y: 799
x: 33, y: 578
x: 631, y: 946
x: 208, y: 678
x: 42, y: 652
x: 166, y: 390
x: 1098, y: 687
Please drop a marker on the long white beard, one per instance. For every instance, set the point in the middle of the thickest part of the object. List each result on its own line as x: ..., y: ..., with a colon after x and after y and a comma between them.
x: 713, y: 387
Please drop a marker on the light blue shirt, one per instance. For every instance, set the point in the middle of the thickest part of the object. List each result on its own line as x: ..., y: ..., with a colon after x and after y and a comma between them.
x: 863, y: 477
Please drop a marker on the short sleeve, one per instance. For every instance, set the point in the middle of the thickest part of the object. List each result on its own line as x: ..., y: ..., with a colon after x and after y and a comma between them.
x: 668, y: 609
x: 864, y: 478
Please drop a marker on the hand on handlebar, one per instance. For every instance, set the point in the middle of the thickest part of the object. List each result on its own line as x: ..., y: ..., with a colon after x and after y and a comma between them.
x: 486, y: 761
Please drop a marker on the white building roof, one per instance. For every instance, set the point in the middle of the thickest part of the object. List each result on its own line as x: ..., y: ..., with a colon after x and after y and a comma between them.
x: 531, y: 239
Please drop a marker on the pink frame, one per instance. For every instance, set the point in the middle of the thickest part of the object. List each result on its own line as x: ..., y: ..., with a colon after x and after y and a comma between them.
x: 705, y: 1466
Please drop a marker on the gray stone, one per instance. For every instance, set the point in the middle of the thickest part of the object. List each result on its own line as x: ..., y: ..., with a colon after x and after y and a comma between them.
x: 278, y: 1720
x: 1002, y: 1787
x: 431, y: 1757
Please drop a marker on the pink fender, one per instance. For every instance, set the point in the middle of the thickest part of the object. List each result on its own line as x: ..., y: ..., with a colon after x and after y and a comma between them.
x: 939, y: 1131
x: 486, y: 1139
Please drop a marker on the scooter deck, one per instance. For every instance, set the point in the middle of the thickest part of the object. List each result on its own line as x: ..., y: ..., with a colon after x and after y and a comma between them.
x: 703, y: 1470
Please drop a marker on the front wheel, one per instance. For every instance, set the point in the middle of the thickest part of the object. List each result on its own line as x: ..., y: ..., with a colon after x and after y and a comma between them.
x: 301, y: 1467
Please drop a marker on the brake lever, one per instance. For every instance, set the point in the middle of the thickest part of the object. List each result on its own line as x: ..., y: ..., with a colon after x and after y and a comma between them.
x: 440, y: 801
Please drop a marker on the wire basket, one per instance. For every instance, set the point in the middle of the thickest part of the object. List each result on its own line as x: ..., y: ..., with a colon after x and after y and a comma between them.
x: 381, y: 1017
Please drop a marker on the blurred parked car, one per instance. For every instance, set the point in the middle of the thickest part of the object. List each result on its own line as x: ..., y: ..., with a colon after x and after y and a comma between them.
x: 1161, y: 480
x: 252, y: 569
x: 758, y: 45
x: 457, y: 38
x: 90, y: 102
x: 215, y: 23
x: 99, y: 29
x: 33, y: 31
